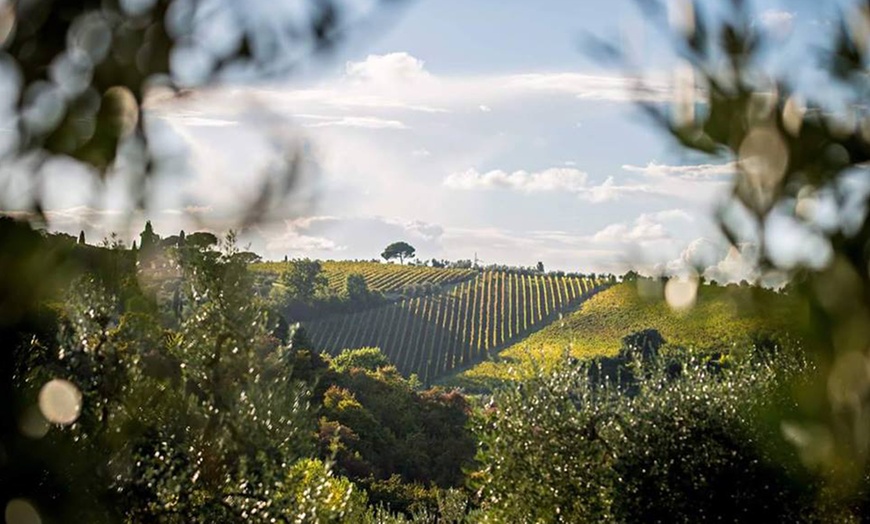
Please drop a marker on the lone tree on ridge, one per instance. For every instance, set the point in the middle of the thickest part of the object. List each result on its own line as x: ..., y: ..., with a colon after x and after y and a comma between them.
x: 400, y: 250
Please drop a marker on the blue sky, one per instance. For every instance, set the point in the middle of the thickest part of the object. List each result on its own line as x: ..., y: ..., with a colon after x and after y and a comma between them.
x: 463, y: 128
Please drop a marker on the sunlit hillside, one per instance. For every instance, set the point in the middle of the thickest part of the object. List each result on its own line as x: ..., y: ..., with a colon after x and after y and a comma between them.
x: 381, y: 277
x: 464, y: 324
x: 723, y: 319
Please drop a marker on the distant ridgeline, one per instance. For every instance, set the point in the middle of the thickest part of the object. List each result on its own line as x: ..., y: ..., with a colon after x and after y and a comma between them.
x: 474, y: 315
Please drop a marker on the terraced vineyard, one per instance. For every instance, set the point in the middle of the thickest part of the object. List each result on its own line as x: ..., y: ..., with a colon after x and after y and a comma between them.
x: 386, y: 278
x: 435, y: 335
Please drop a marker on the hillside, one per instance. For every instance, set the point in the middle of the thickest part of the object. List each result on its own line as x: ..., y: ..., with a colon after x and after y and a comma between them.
x: 438, y: 334
x: 723, y: 318
x: 383, y: 278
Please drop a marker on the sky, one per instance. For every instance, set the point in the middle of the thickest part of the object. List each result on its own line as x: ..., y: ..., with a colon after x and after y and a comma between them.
x: 479, y: 129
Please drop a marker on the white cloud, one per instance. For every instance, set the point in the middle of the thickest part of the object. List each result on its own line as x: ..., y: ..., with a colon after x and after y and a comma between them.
x: 203, y: 122
x: 716, y: 260
x: 646, y: 231
x: 672, y: 214
x: 778, y: 21
x: 697, y: 183
x: 557, y: 249
x: 86, y: 217
x: 739, y: 263
x: 389, y: 69
x: 295, y: 242
x: 417, y: 228
x: 365, y: 122
x: 400, y: 82
x: 293, y: 238
x: 614, y: 88
x: 554, y: 179
x: 354, y: 237
x: 690, y: 172
x: 646, y: 228
x: 422, y: 152
x: 609, y: 190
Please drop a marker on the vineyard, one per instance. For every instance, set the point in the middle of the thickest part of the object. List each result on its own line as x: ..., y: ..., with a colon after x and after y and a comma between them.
x: 438, y: 334
x: 722, y: 317
x: 384, y: 278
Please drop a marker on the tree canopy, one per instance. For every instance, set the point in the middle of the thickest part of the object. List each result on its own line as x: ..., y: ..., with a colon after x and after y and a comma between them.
x: 303, y: 279
x: 400, y: 250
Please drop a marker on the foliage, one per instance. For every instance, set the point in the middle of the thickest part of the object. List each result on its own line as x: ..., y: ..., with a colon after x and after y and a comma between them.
x: 400, y: 250
x: 682, y: 450
x: 321, y: 497
x: 201, y: 240
x: 302, y: 280
x: 148, y: 239
x: 356, y: 288
x: 370, y: 359
x: 205, y: 421
x: 404, y: 447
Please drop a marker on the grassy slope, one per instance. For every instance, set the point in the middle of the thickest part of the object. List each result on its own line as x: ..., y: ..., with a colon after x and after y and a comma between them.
x: 721, y: 319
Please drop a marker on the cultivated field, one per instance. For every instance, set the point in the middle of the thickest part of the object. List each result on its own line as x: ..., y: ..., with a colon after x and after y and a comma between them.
x: 438, y: 334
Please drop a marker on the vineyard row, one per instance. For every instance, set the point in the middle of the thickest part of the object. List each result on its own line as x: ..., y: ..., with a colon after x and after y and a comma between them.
x: 435, y: 335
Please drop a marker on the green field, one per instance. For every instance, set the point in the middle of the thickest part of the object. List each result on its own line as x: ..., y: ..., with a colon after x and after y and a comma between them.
x: 439, y: 334
x: 723, y: 318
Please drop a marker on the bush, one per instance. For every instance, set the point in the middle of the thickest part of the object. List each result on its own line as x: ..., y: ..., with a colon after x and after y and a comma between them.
x: 682, y: 449
x: 363, y: 358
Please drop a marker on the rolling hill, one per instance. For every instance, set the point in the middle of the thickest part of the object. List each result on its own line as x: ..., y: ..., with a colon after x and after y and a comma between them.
x: 723, y: 318
x: 466, y: 323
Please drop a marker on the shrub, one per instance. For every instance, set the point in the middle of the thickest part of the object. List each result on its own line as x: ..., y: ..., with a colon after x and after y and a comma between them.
x: 681, y: 449
x: 363, y: 358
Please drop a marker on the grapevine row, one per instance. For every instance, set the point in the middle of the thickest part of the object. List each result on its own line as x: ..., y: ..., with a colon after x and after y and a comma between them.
x: 438, y: 334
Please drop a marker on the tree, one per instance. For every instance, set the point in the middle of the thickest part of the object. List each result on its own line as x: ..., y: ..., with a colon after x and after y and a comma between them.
x: 356, y: 287
x: 539, y: 266
x: 82, y: 237
x: 247, y: 257
x: 201, y: 240
x: 303, y: 280
x: 370, y: 359
x: 400, y: 250
x: 148, y: 239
